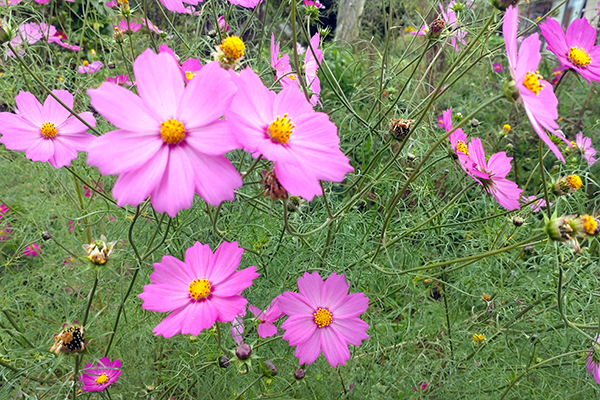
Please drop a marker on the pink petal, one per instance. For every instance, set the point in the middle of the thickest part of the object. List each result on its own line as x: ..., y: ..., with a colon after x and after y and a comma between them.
x: 73, y: 126
x: 353, y: 305
x: 200, y: 315
x: 17, y: 133
x: 266, y: 329
x: 171, y: 325
x: 30, y: 108
x: 529, y: 57
x: 197, y: 258
x: 334, y: 347
x: 257, y: 312
x: 555, y: 37
x: 297, y: 181
x: 64, y: 152
x: 292, y: 101
x: 509, y: 28
x: 171, y: 271
x: 311, y: 287
x: 228, y: 307
x: 352, y: 329
x: 213, y: 139
x: 53, y: 111
x: 224, y: 262
x: 308, y: 351
x: 292, y: 303
x: 41, y: 150
x: 499, y: 163
x: 581, y: 34
x: 298, y: 328
x: 164, y: 298
x: 235, y: 283
x: 334, y: 291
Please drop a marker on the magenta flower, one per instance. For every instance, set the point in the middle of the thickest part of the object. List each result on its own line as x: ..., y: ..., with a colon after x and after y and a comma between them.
x: 284, y: 128
x: 99, y: 377
x: 237, y: 327
x: 71, y: 225
x: 422, y: 387
x: 120, y: 80
x: 506, y: 192
x: 189, y: 68
x: 3, y: 209
x: 281, y: 65
x: 151, y: 26
x: 537, y: 203
x: 32, y: 32
x: 323, y: 317
x: 45, y: 133
x: 245, y: 3
x: 593, y: 365
x: 265, y: 318
x: 31, y: 250
x: 222, y: 24
x: 311, y: 3
x: 449, y: 17
x: 5, y: 232
x: 131, y: 27
x: 111, y: 4
x: 90, y: 68
x: 203, y: 289
x: 576, y: 49
x: 498, y: 67
x: 171, y: 139
x: 535, y: 94
x: 584, y: 145
x: 421, y: 32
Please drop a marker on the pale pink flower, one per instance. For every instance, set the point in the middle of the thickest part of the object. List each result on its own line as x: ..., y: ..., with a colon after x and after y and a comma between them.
x: 171, y: 138
x: 132, y: 26
x: 203, y: 289
x: 90, y: 68
x: 46, y: 133
x: 584, y: 145
x: 31, y: 250
x: 535, y: 94
x: 237, y: 327
x: 151, y: 26
x: 323, y: 317
x: 33, y: 32
x: 189, y: 68
x: 284, y: 128
x: 96, y: 378
x: 449, y: 17
x: 537, y: 204
x: 222, y: 24
x: 5, y: 232
x: 311, y: 65
x: 281, y: 65
x: 265, y: 318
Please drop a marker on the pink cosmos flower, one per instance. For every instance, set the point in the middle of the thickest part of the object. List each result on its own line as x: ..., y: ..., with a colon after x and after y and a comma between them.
x: 281, y: 65
x: 584, y: 145
x: 245, y: 3
x: 498, y: 67
x: 31, y: 250
x: 203, y: 289
x: 285, y: 129
x: 151, y: 26
x: 536, y: 94
x: 90, y: 68
x: 9, y: 2
x: 422, y: 387
x: 3, y: 209
x: 506, y: 192
x: 222, y: 24
x: 48, y: 132
x: 311, y: 3
x: 310, y: 67
x: 178, y: 6
x: 171, y: 139
x: 537, y: 203
x: 449, y: 17
x: 96, y: 378
x: 189, y: 68
x: 576, y: 50
x: 5, y: 232
x: 593, y: 366
x: 272, y: 313
x: 111, y: 4
x: 33, y: 32
x: 71, y: 225
x: 120, y: 80
x: 323, y: 317
x: 132, y: 26
x: 237, y: 327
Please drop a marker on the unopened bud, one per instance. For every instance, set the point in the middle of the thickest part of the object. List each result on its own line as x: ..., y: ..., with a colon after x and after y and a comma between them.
x: 510, y: 91
x: 458, y: 7
x: 509, y: 147
x: 299, y: 374
x: 111, y: 65
x: 271, y: 367
x: 243, y: 351
x: 272, y: 188
x: 118, y: 34
x: 436, y: 28
x: 46, y: 236
x: 518, y: 221
x: 223, y: 362
x: 474, y: 123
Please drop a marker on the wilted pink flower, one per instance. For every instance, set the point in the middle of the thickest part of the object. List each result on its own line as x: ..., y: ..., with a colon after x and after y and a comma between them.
x: 90, y: 68
x: 584, y: 145
x: 535, y: 94
x: 323, y: 317
x: 245, y: 3
x: 576, y: 49
x: 506, y: 192
x: 222, y: 24
x: 272, y: 313
x: 537, y: 203
x: 119, y: 80
x: 498, y: 67
x: 5, y: 232
x: 31, y: 250
x: 203, y: 289
x: 96, y: 378
x: 593, y: 365
x: 237, y: 327
x: 284, y: 128
x: 132, y: 26
x: 171, y: 139
x: 48, y: 132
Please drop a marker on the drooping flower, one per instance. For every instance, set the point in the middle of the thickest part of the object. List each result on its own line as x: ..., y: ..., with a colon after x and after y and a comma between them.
x: 576, y: 49
x: 99, y: 251
x: 96, y: 378
x: 46, y: 133
x: 71, y: 339
x: 498, y: 67
x: 593, y: 364
x: 90, y: 68
x: 535, y: 94
x: 265, y: 318
x: 506, y: 192
x: 237, y: 327
x: 285, y: 129
x: 203, y: 289
x: 323, y: 317
x: 171, y: 139
x: 584, y: 145
x: 537, y: 204
x: 131, y: 27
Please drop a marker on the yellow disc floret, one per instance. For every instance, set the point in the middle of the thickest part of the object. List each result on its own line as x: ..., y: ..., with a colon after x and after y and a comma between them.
x: 233, y: 47
x: 462, y: 147
x: 574, y: 181
x: 172, y: 131
x: 199, y: 288
x: 532, y: 82
x: 506, y: 127
x: 579, y: 56
x: 102, y: 379
x: 322, y: 317
x: 589, y: 224
x: 189, y: 75
x: 281, y: 129
x: 86, y: 63
x: 48, y: 130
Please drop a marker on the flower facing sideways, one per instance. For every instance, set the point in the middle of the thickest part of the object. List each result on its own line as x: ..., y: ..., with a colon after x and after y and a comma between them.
x: 89, y: 67
x: 96, y: 378
x: 265, y: 318
x: 203, y: 289
x: 584, y: 145
x: 323, y: 317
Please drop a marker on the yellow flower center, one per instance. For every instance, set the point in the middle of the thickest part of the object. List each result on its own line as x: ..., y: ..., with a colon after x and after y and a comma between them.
x: 85, y: 63
x: 293, y: 77
x: 102, y: 379
x: 281, y: 129
x: 462, y: 147
x: 506, y: 127
x: 233, y: 47
x: 532, y: 82
x: 189, y: 75
x: 579, y: 56
x: 322, y: 317
x: 589, y: 224
x: 574, y: 181
x: 172, y: 131
x: 574, y: 145
x: 199, y: 288
x: 48, y: 130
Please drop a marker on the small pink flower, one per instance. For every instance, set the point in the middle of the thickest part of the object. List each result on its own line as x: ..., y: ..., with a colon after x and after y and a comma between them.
x: 449, y: 17
x: 3, y: 209
x: 421, y: 32
x: 99, y: 377
x: 584, y: 145
x: 203, y: 289
x: 46, y: 133
x: 499, y: 68
x: 71, y: 225
x: 31, y: 250
x: 151, y: 26
x: 131, y: 27
x: 557, y: 72
x: 315, y: 4
x: 222, y: 24
x: 237, y: 327
x: 111, y: 4
x: 88, y: 191
x: 323, y: 317
x: 422, y: 387
x: 593, y: 366
x: 90, y: 68
x: 280, y: 65
x: 272, y: 313
x: 5, y: 232
x: 537, y: 203
x: 120, y: 80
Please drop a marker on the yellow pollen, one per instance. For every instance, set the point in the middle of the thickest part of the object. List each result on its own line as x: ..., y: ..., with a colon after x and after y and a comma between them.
x: 506, y: 127
x: 85, y: 63
x: 532, y: 82
x: 199, y: 288
x: 172, y: 131
x: 462, y: 147
x: 189, y: 75
x: 233, y: 47
x: 574, y: 145
x: 281, y: 129
x: 579, y: 56
x: 322, y: 317
x: 292, y: 77
x: 102, y: 379
x: 574, y: 181
x: 589, y: 224
x: 48, y: 130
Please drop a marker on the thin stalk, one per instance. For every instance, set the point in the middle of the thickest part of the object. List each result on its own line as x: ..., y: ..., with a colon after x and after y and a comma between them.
x: 543, y: 173
x: 295, y: 51
x: 147, y: 23
x: 91, y: 297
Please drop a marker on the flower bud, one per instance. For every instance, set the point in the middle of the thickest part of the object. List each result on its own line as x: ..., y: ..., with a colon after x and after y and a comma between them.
x: 299, y: 374
x: 400, y: 128
x: 436, y: 28
x: 243, y: 351
x: 458, y: 7
x: 518, y: 221
x: 111, y: 65
x: 502, y: 5
x: 46, y: 236
x: 510, y: 91
x: 474, y: 122
x: 118, y: 34
x: 270, y: 366
x: 223, y: 362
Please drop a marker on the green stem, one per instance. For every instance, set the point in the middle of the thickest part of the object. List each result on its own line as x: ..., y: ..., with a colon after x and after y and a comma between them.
x: 91, y: 297
x: 295, y: 51
x: 543, y: 174
x: 147, y: 26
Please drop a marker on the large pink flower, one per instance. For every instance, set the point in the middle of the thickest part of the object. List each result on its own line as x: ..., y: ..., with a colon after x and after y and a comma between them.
x: 584, y: 145
x: 171, y: 139
x: 536, y: 94
x: 48, y: 132
x: 323, y: 317
x: 506, y: 192
x: 203, y: 289
x: 179, y: 6
x: 284, y: 128
x: 96, y: 378
x: 576, y: 50
x: 272, y: 313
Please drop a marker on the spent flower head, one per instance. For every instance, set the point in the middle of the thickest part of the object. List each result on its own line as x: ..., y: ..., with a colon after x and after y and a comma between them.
x: 99, y: 251
x: 71, y: 339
